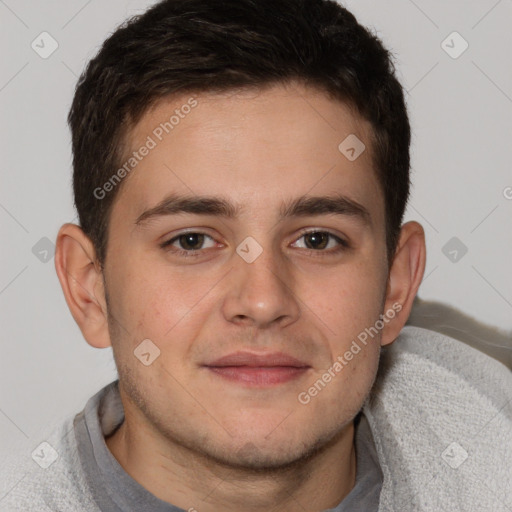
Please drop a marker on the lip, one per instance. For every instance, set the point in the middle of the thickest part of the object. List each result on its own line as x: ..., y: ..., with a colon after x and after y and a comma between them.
x: 258, y: 370
x: 244, y: 358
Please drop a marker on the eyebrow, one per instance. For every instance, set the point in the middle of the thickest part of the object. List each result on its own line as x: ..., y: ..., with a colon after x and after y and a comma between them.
x: 303, y: 206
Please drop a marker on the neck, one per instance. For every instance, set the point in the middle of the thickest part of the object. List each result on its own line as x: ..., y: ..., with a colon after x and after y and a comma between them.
x: 191, y: 480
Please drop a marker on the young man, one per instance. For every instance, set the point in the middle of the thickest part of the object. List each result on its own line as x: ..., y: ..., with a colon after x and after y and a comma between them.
x: 241, y: 171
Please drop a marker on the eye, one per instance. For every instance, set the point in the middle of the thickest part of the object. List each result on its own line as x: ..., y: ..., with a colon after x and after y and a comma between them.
x: 318, y: 241
x: 191, y: 243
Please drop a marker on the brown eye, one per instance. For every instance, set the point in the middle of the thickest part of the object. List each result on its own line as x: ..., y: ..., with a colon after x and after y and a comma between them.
x: 191, y: 241
x: 316, y: 240
x: 187, y: 244
x: 319, y: 241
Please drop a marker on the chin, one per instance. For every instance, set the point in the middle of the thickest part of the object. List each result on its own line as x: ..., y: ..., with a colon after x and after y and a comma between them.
x: 270, y: 451
x: 252, y: 457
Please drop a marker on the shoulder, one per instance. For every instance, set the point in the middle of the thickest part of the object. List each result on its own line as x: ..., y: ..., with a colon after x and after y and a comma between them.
x: 440, y: 413
x: 45, y: 475
x: 448, y: 320
x: 418, y: 352
x: 426, y: 374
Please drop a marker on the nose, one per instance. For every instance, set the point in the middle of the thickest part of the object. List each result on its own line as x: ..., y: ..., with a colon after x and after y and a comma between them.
x: 261, y: 293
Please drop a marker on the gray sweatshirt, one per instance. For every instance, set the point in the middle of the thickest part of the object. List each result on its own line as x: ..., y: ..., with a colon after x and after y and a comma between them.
x: 435, y: 435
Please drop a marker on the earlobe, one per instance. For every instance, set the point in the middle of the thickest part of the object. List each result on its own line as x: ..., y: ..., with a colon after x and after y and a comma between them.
x: 82, y: 283
x: 405, y: 277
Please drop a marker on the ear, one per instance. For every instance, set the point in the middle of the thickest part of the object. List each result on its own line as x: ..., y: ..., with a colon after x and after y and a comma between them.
x: 81, y: 280
x: 405, y: 276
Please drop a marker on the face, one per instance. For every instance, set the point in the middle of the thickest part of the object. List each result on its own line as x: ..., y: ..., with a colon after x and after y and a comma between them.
x: 251, y: 299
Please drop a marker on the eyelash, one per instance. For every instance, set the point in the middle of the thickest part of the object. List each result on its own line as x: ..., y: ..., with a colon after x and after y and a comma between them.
x: 343, y: 244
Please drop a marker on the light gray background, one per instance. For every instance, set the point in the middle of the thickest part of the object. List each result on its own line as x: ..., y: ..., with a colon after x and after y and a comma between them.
x: 461, y: 115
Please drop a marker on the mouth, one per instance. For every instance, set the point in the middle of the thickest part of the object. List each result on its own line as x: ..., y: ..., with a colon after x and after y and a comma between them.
x: 258, y: 370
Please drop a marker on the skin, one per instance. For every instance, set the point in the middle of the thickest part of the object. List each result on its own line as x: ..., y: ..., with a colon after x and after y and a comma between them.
x: 190, y: 437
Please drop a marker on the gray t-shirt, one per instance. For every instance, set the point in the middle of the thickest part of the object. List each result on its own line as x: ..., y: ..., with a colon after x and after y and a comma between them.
x: 116, y: 491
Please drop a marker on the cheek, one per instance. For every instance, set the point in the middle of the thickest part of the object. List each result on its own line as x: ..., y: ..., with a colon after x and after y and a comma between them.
x: 150, y: 298
x: 165, y: 307
x: 350, y: 301
x: 348, y: 384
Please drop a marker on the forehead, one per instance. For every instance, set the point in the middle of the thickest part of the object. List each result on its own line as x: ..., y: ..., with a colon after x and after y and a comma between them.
x: 257, y: 146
